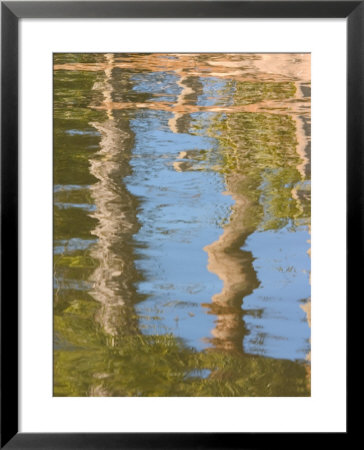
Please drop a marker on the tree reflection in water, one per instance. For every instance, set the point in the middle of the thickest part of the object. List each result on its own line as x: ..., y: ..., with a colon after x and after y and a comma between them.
x: 256, y: 110
x: 113, y: 279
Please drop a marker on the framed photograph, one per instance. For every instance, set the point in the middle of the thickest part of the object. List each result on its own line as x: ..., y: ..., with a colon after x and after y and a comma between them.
x: 169, y: 279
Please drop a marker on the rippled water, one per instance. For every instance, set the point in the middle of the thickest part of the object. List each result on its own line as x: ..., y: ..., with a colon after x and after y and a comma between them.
x: 181, y: 225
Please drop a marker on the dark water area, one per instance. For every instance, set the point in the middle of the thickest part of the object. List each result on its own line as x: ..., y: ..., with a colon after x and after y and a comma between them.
x: 182, y: 225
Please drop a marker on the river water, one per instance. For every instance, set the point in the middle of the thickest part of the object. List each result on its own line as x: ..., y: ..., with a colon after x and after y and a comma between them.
x: 182, y: 225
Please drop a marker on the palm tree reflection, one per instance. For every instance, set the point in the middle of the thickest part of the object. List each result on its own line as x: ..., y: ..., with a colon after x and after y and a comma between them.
x: 226, y: 258
x: 114, y: 278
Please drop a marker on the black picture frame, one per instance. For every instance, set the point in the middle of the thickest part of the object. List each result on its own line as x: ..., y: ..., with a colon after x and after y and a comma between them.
x: 11, y: 12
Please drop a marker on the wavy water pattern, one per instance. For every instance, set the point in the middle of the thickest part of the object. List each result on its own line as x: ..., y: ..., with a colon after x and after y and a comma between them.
x: 182, y: 224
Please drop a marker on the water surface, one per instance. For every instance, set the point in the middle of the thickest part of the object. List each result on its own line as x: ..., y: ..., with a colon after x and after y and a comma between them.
x: 181, y: 225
